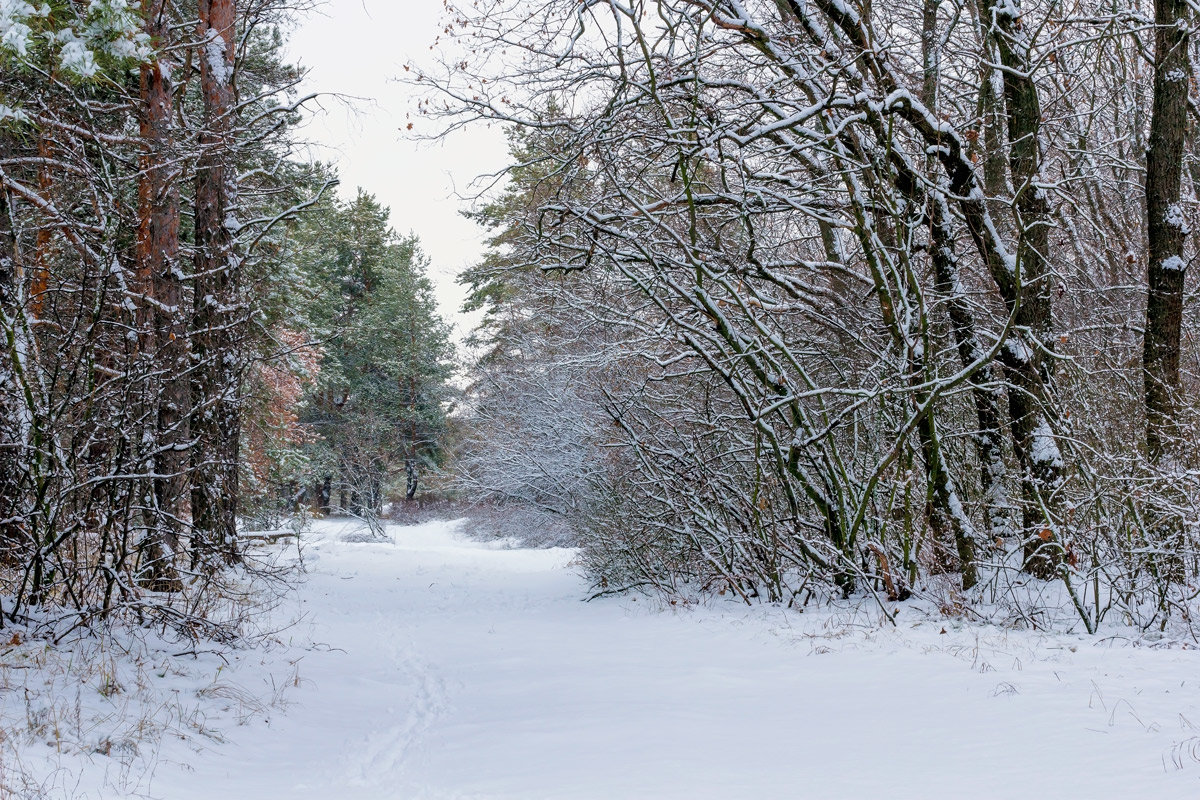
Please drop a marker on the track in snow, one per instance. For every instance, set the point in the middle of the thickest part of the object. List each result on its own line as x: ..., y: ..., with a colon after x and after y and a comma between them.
x: 458, y: 669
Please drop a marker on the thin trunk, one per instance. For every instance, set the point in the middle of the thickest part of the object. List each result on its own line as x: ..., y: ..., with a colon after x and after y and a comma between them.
x: 991, y: 113
x: 43, y: 251
x: 989, y: 435
x: 931, y: 53
x: 11, y: 488
x: 946, y: 501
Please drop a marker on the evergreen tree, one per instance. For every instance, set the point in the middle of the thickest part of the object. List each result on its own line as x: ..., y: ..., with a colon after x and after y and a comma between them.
x: 380, y: 403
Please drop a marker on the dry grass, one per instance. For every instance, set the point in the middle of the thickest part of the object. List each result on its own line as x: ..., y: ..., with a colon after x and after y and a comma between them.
x: 89, y: 708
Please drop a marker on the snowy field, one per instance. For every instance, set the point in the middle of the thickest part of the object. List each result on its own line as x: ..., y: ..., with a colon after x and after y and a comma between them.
x: 439, y: 667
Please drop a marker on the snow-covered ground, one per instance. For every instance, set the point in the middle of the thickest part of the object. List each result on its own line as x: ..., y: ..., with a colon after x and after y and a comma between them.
x: 439, y: 667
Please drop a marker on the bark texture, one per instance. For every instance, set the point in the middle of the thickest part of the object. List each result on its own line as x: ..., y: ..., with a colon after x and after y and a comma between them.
x: 1028, y: 354
x: 1165, y: 223
x: 162, y: 336
x: 216, y: 385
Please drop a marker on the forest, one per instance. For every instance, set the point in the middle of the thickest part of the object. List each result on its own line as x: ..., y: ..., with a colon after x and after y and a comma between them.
x: 794, y: 297
x: 199, y: 336
x: 863, y: 306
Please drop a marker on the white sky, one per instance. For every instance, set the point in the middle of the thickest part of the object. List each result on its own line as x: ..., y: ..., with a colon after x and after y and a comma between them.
x: 358, y: 48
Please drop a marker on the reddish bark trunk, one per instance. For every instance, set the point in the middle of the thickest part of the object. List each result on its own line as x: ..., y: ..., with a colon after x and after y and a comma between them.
x: 160, y: 318
x: 215, y: 388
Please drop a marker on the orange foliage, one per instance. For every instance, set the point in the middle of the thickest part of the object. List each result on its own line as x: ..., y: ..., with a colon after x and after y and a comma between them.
x: 279, y: 385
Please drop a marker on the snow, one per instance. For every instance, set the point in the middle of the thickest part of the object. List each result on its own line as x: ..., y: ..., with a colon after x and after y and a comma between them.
x: 214, y: 53
x: 439, y: 667
x: 1043, y: 446
x: 75, y: 55
x: 1018, y: 350
x: 1176, y: 219
x: 1173, y: 264
x: 14, y: 114
x: 14, y: 29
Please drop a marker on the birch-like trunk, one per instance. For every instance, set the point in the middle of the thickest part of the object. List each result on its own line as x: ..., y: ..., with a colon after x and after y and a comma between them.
x: 11, y: 534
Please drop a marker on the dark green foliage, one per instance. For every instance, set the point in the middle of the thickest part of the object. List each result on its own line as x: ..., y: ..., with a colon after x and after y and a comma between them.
x: 379, y: 405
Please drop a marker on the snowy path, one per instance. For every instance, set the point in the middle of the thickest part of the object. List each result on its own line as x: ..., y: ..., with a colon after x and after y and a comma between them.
x: 466, y: 671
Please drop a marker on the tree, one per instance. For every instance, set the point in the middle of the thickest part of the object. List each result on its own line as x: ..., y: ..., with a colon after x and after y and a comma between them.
x: 159, y: 281
x: 840, y: 261
x: 532, y: 415
x: 1166, y: 224
x: 381, y: 400
x: 218, y: 307
x: 114, y: 117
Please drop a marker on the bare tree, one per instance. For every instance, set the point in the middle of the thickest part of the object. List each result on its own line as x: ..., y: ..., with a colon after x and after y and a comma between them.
x: 866, y: 290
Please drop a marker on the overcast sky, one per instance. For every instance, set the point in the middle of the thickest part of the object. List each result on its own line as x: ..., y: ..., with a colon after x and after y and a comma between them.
x: 359, y: 47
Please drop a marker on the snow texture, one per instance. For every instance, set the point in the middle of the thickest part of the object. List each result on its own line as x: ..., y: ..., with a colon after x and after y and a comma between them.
x: 1019, y: 350
x: 464, y: 670
x: 75, y: 55
x: 14, y: 114
x: 1044, y: 448
x: 214, y: 53
x: 14, y: 27
x: 1176, y: 219
x: 438, y: 667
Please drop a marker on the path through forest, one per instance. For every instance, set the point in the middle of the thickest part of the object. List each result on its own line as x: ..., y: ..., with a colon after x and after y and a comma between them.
x: 459, y: 669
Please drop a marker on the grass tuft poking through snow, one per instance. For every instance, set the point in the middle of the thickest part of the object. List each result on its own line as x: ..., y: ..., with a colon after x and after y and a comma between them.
x: 94, y: 714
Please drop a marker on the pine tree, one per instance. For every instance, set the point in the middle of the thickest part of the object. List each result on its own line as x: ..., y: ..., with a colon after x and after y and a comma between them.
x: 381, y: 400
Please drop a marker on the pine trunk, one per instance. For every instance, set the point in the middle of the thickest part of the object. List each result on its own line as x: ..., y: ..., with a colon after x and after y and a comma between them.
x: 215, y: 322
x: 163, y: 340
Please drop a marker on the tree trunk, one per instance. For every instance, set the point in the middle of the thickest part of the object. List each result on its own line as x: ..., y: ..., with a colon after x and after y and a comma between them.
x: 43, y: 250
x: 215, y: 388
x: 989, y: 435
x: 1027, y: 355
x: 1166, y: 227
x: 991, y: 113
x: 1166, y: 231
x: 159, y: 317
x: 946, y: 502
x: 11, y: 488
x: 325, y: 495
x: 1023, y: 280
x: 410, y: 475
